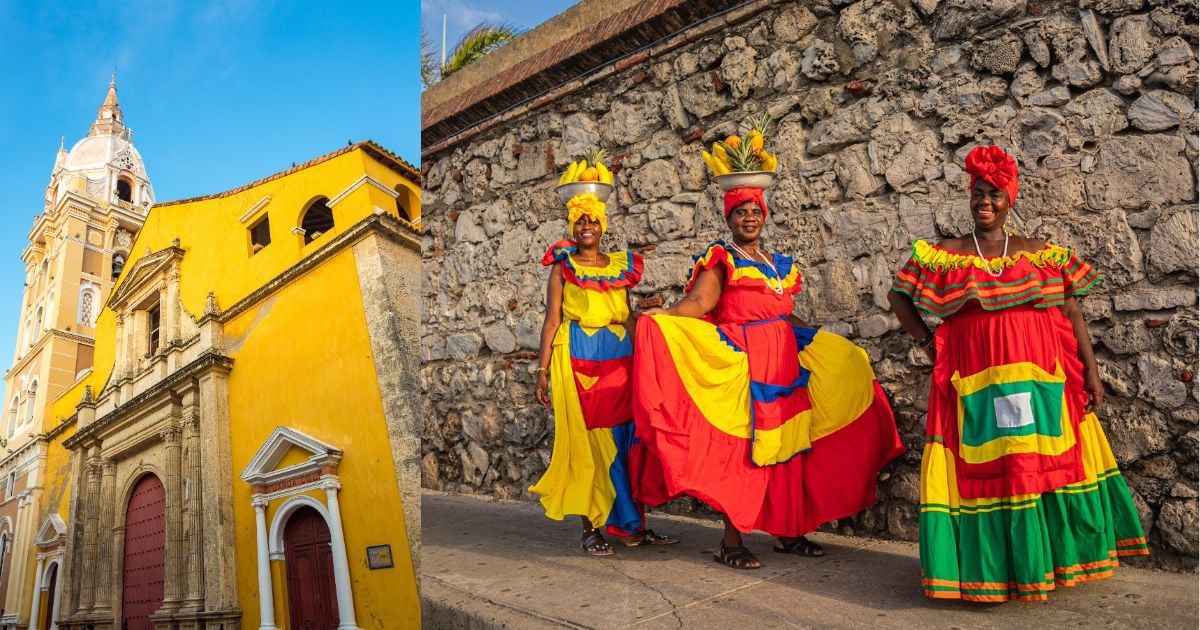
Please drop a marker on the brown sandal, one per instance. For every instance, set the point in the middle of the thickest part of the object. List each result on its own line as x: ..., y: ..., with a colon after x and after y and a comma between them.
x: 737, y: 558
x: 648, y: 537
x: 801, y: 547
x: 594, y: 544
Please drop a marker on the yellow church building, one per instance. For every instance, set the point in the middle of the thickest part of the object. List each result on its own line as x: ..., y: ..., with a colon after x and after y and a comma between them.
x: 241, y: 449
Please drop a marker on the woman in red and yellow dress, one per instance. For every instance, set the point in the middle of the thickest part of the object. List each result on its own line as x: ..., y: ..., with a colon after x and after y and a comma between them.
x: 776, y: 425
x: 1019, y: 489
x: 585, y: 364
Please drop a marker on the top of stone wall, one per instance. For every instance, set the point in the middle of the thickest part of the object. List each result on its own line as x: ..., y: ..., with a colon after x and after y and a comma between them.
x: 582, y: 39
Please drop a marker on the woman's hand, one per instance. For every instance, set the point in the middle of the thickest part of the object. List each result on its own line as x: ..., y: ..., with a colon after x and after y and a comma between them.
x: 1094, y: 389
x: 542, y: 391
x: 931, y: 352
x: 657, y: 310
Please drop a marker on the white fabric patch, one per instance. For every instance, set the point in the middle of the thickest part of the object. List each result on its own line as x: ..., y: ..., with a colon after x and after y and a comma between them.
x: 1013, y: 410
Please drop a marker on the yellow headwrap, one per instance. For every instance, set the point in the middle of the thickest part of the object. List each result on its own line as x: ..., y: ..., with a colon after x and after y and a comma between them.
x: 586, y: 204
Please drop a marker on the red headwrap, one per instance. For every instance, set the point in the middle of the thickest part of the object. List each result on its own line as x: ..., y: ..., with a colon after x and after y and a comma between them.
x: 995, y: 167
x: 738, y: 196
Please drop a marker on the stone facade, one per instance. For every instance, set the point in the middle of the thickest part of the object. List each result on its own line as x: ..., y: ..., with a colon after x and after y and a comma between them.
x: 878, y: 102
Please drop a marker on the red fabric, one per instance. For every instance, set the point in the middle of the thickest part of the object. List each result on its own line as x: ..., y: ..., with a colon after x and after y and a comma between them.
x: 739, y: 196
x: 609, y: 402
x: 995, y: 167
x: 974, y: 339
x: 834, y: 480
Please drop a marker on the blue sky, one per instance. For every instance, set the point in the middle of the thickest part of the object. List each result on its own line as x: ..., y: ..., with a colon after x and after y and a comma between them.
x: 462, y: 15
x: 217, y: 94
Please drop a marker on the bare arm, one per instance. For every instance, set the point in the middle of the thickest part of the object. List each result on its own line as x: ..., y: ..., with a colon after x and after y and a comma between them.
x: 554, y: 291
x: 796, y: 321
x: 630, y: 322
x: 910, y: 319
x: 1091, y: 373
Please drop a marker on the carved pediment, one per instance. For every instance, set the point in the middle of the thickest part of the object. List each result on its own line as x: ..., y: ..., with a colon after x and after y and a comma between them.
x: 264, y: 468
x: 52, y: 532
x: 144, y: 272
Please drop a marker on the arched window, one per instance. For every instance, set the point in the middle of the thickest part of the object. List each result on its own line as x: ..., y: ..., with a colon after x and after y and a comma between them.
x: 118, y: 264
x: 12, y: 418
x: 38, y: 320
x: 124, y: 190
x: 45, y: 272
x: 4, y: 549
x: 31, y: 402
x: 404, y: 213
x: 317, y: 220
x: 87, y: 305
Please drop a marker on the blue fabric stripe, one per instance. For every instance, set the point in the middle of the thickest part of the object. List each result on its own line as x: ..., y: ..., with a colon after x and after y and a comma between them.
x: 769, y: 393
x: 804, y: 336
x: 601, y: 345
x: 625, y: 514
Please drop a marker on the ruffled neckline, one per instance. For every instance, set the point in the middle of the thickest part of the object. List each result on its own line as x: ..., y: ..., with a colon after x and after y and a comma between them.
x: 624, y: 268
x: 939, y: 258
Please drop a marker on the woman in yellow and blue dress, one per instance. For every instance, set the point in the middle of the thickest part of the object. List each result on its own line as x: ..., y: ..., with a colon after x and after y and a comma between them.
x: 584, y: 375
x: 1020, y: 492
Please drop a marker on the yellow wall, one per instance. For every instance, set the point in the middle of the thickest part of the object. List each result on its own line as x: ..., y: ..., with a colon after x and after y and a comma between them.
x: 302, y: 358
x: 307, y: 364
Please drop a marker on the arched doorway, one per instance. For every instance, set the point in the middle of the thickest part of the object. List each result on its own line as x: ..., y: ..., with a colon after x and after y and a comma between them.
x: 145, y: 546
x: 51, y: 582
x: 312, y: 596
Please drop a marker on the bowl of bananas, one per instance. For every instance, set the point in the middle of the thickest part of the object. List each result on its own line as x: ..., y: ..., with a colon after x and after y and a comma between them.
x: 742, y: 161
x: 586, y: 175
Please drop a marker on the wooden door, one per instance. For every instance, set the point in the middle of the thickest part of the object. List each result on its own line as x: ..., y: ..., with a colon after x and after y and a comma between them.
x: 312, y: 594
x: 145, y: 547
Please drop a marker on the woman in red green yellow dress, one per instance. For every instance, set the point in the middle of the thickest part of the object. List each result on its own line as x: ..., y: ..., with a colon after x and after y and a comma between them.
x: 584, y: 372
x: 1019, y: 489
x: 776, y: 425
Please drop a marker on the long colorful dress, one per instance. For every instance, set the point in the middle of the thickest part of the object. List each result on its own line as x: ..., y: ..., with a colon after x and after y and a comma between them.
x: 589, y: 372
x: 780, y: 427
x: 1019, y: 488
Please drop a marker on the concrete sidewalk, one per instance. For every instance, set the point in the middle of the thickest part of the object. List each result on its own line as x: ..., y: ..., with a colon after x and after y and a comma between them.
x: 502, y: 564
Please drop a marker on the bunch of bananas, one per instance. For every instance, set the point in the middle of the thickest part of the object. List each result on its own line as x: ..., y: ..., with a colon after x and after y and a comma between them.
x: 589, y: 169
x: 738, y: 154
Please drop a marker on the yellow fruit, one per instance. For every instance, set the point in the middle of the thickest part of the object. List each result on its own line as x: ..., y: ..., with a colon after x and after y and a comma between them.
x: 769, y: 163
x: 605, y: 174
x: 756, y: 140
x: 733, y: 142
x: 720, y: 153
x: 590, y: 174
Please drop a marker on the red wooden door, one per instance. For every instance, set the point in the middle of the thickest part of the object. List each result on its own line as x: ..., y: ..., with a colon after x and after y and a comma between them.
x: 312, y: 595
x: 145, y: 545
x: 52, y: 584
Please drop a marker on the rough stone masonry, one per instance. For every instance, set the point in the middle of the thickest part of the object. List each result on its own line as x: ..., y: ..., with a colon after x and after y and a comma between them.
x: 878, y: 102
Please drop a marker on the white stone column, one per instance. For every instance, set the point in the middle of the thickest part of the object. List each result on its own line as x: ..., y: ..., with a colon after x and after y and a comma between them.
x: 266, y: 593
x: 37, y: 593
x: 341, y: 565
x: 57, y: 597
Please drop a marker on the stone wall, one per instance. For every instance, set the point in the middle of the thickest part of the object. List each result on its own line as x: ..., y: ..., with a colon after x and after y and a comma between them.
x: 878, y: 101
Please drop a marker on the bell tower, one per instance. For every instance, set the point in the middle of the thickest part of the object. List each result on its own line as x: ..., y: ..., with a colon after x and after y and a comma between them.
x: 95, y: 203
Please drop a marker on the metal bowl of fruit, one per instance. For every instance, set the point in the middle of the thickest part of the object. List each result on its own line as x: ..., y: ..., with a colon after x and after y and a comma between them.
x: 573, y: 189
x: 745, y: 179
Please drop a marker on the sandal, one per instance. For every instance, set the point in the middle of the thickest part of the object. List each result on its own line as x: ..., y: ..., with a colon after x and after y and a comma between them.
x: 594, y: 544
x: 802, y: 547
x: 648, y: 537
x: 737, y: 558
